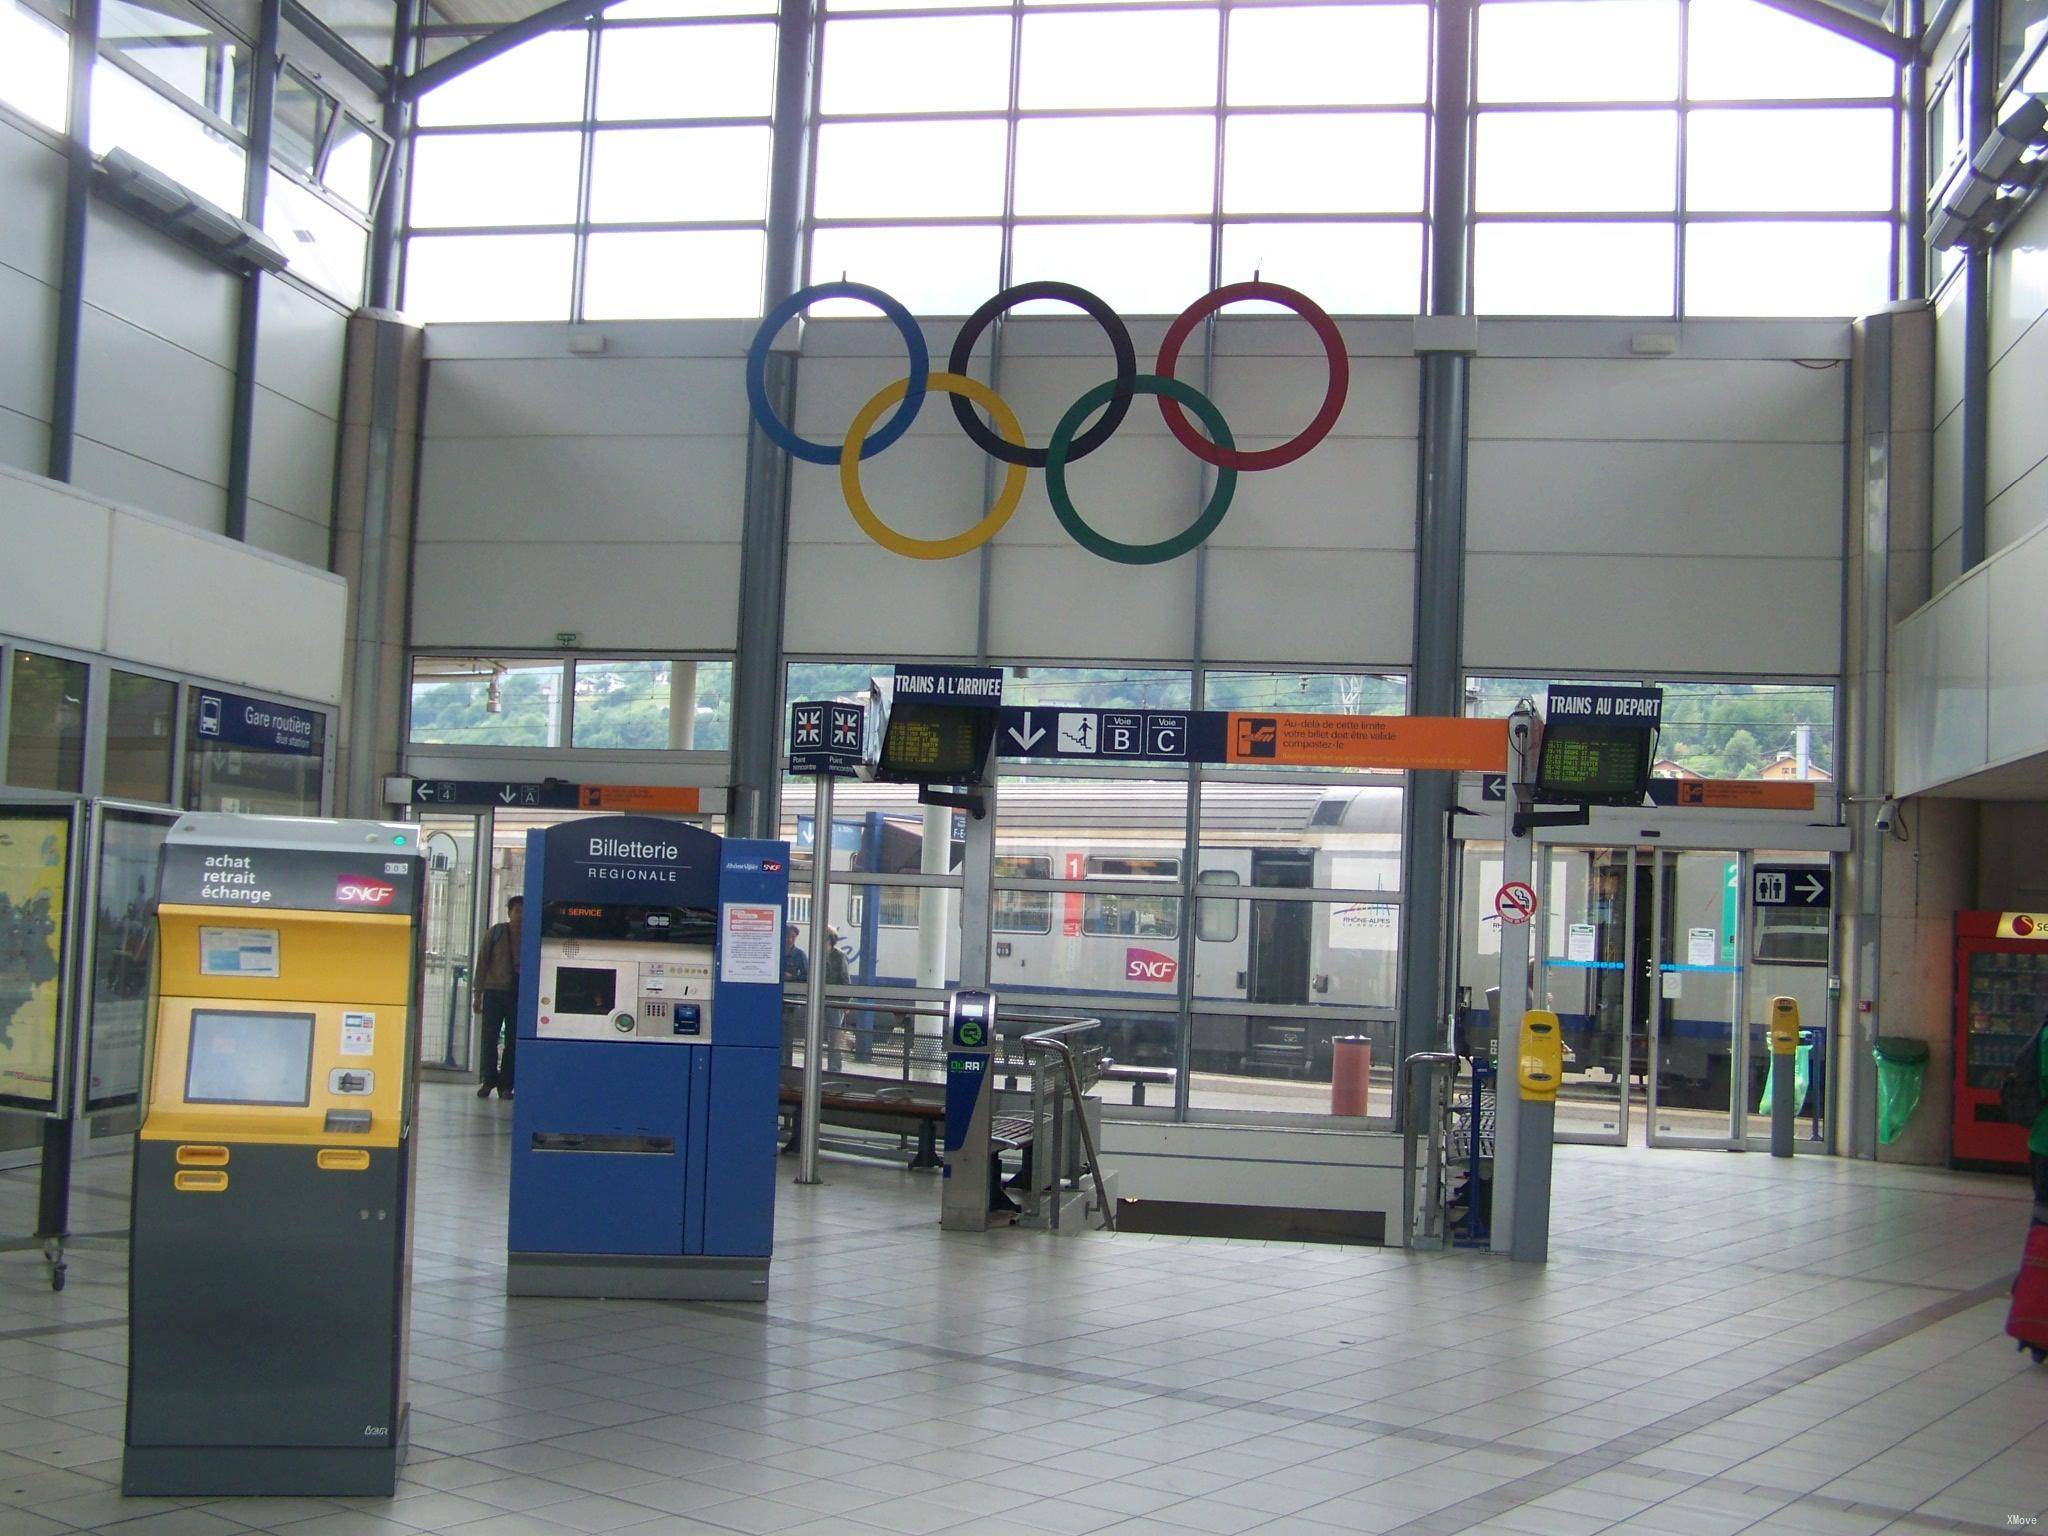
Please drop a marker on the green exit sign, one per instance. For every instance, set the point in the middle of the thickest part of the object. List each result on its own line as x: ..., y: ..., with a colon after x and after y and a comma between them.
x: 568, y: 637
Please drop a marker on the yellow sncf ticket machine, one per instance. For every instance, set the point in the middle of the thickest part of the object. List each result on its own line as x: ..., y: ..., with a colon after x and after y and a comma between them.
x: 271, y: 1255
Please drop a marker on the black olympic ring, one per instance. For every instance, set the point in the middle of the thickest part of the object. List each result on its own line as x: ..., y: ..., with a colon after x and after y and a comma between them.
x: 1119, y: 340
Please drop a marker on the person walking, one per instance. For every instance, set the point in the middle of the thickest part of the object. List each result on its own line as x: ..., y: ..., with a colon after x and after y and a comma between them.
x: 495, y: 999
x: 835, y: 1018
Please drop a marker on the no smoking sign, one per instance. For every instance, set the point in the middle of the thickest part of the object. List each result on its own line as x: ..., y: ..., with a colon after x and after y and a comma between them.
x: 1515, y: 902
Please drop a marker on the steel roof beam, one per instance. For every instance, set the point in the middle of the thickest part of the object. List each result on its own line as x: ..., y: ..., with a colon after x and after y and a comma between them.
x: 564, y: 13
x: 1856, y: 24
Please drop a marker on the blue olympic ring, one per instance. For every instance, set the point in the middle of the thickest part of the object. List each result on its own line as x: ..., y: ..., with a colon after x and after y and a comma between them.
x: 757, y: 370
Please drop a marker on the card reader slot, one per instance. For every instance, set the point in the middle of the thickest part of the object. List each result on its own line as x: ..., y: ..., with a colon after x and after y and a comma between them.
x: 194, y: 1181
x: 580, y: 1141
x: 342, y: 1158
x: 202, y: 1157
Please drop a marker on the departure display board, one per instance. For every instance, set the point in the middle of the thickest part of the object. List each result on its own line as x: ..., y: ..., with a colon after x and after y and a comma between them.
x: 935, y: 743
x: 1598, y: 764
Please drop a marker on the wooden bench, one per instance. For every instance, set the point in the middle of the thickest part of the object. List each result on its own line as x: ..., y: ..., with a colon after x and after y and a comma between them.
x: 856, y: 1107
x: 1137, y: 1077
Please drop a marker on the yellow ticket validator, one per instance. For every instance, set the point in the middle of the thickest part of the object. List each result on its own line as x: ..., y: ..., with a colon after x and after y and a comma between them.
x: 1539, y: 1064
x: 1784, y: 1025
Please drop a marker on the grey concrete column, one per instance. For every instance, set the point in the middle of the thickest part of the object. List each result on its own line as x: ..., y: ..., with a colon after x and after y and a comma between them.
x: 1438, y: 686
x: 381, y: 406
x: 764, y: 521
x: 1886, y: 576
x: 85, y: 33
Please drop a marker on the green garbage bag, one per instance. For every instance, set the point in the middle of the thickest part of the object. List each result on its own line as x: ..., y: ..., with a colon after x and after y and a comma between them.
x: 1802, y: 1063
x: 1901, y: 1064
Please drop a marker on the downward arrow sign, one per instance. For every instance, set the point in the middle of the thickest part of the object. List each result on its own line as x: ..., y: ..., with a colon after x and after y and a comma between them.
x: 1030, y: 736
x: 1812, y: 889
x: 507, y: 795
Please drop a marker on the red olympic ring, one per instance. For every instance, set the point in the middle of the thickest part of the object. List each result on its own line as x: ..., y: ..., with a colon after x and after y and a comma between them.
x: 1333, y: 398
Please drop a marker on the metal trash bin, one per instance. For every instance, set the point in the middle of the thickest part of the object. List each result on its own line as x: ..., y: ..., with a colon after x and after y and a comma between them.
x: 1351, y: 1075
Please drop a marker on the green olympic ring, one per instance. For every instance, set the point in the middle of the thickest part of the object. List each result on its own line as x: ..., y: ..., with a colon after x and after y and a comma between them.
x: 1114, y: 549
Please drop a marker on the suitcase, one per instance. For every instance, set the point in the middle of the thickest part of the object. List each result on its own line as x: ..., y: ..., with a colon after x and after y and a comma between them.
x: 2028, y: 1319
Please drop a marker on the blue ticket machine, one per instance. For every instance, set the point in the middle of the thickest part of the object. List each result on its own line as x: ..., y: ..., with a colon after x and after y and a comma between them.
x: 650, y: 1020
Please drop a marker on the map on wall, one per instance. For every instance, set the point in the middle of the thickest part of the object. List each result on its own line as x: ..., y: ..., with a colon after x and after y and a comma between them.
x: 34, y: 858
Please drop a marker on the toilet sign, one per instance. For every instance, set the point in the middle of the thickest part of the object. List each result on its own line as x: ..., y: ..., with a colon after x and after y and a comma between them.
x: 1515, y: 902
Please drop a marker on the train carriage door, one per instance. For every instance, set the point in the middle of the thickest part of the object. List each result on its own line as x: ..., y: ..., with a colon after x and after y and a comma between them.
x: 1222, y: 937
x: 1278, y: 962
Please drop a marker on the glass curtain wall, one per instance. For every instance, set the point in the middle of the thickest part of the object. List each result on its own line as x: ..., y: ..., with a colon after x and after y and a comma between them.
x: 1638, y: 157
x: 1679, y: 157
x: 1228, y: 926
x: 616, y: 170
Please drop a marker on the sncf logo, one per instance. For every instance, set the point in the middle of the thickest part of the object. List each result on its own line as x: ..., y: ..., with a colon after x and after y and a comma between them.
x: 1149, y: 965
x: 772, y: 866
x: 361, y: 891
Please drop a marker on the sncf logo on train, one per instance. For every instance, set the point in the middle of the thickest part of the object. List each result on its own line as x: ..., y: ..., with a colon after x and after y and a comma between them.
x: 1149, y: 965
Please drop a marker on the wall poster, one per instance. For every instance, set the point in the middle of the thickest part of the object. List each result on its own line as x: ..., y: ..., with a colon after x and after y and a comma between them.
x: 35, y: 867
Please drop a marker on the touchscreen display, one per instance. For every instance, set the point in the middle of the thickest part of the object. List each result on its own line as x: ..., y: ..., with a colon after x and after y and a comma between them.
x: 585, y: 989
x: 249, y: 1058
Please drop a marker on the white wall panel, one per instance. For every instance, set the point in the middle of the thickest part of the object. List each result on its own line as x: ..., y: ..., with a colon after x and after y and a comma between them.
x: 1565, y: 613
x: 157, y: 285
x: 24, y: 441
x: 557, y: 490
x: 284, y: 533
x: 863, y: 601
x: 2019, y: 279
x: 1663, y: 399
x: 1050, y: 602
x: 2019, y: 512
x: 1351, y: 606
x: 1948, y: 351
x: 1945, y: 562
x: 299, y: 346
x: 926, y: 486
x: 217, y: 609
x: 1940, y: 675
x: 53, y: 581
x: 291, y: 459
x: 2019, y: 411
x: 136, y: 482
x: 32, y: 193
x: 655, y: 597
x: 604, y: 396
x: 1676, y: 499
x: 28, y: 343
x: 1946, y: 516
x: 1351, y: 493
x: 86, y: 573
x: 2016, y: 652
x: 150, y: 398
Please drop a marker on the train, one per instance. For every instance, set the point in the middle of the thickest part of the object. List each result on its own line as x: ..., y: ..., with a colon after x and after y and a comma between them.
x: 1275, y: 982
x: 1333, y: 964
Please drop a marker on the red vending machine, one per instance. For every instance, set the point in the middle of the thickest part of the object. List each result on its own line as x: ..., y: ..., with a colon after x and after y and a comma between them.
x: 2001, y: 998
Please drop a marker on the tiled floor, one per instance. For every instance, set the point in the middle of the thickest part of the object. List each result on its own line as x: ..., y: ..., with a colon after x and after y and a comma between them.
x: 1719, y: 1344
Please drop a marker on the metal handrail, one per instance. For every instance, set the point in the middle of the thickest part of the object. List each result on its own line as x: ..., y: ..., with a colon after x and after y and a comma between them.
x: 1425, y: 1112
x: 1049, y: 1042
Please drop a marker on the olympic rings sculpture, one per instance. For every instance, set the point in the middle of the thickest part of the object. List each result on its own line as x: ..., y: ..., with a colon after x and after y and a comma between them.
x: 1218, y: 448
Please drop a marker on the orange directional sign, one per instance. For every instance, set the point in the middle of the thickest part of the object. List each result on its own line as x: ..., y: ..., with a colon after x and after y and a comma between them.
x: 1367, y: 741
x: 639, y: 797
x: 1735, y: 794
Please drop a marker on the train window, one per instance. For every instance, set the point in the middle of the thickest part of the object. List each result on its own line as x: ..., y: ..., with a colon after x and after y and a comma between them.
x: 1216, y: 917
x: 1790, y: 936
x: 1101, y: 867
x: 1131, y: 917
x: 1022, y: 911
x: 896, y: 905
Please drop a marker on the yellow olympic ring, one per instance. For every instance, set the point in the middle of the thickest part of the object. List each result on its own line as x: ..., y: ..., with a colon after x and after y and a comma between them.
x: 902, y: 543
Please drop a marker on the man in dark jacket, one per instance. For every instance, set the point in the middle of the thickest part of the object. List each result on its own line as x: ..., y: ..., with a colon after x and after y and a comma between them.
x: 495, y: 998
